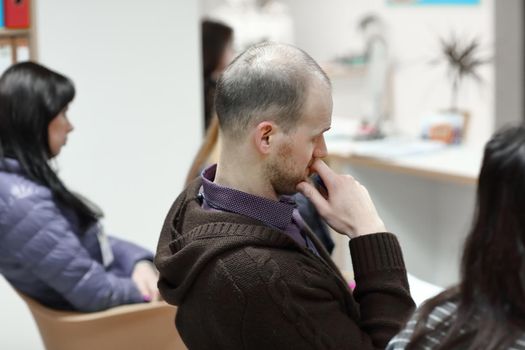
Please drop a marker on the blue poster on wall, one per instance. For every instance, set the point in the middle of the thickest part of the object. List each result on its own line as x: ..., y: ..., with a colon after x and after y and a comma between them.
x: 434, y: 2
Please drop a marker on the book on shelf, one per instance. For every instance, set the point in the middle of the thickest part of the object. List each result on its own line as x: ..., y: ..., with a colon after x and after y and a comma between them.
x: 1, y: 14
x: 16, y: 13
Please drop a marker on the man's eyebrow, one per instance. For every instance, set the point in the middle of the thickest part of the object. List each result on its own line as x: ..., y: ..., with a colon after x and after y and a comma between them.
x: 322, y: 131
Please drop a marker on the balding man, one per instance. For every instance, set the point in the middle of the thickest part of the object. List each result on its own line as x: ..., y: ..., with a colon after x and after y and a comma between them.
x: 236, y: 257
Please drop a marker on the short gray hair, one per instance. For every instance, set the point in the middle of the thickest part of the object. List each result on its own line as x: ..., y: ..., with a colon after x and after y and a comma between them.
x: 267, y: 81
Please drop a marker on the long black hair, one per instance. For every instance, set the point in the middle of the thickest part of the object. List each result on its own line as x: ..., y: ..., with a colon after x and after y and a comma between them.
x: 31, y: 96
x: 491, y: 294
x: 215, y: 38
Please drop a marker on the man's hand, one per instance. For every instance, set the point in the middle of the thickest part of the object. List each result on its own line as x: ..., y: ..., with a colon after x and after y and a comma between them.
x: 145, y: 277
x: 347, y: 208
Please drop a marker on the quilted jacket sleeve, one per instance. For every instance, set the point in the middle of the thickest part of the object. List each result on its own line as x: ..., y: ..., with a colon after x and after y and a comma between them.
x: 127, y: 254
x: 38, y: 237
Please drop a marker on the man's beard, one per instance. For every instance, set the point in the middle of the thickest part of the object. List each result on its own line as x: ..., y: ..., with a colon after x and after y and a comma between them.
x: 282, y: 174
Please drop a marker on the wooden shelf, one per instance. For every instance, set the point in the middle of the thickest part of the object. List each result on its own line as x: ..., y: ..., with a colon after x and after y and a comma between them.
x: 6, y: 33
x: 18, y: 42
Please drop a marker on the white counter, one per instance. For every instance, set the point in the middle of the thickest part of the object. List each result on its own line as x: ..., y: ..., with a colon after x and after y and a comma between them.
x: 416, y: 157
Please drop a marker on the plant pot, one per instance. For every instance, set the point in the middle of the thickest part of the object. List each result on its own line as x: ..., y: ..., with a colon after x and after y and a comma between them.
x: 448, y: 126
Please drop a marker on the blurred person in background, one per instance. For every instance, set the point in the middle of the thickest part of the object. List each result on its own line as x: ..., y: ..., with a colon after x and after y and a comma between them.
x: 376, y: 105
x: 52, y: 245
x: 217, y: 53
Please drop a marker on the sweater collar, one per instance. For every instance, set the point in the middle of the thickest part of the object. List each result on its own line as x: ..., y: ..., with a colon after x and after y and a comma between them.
x: 277, y: 214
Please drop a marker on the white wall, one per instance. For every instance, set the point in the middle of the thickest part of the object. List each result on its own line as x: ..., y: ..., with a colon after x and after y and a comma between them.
x: 137, y: 111
x: 137, y: 115
x: 327, y: 28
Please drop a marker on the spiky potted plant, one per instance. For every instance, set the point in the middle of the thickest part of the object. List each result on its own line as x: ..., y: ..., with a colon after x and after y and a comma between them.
x: 463, y: 59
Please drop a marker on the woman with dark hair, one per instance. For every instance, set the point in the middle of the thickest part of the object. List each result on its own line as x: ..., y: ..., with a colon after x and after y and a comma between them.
x: 217, y: 52
x: 487, y: 309
x: 52, y: 246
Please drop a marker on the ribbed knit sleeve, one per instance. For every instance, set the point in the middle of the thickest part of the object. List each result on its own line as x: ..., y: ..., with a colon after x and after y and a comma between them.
x: 375, y: 252
x: 381, y: 286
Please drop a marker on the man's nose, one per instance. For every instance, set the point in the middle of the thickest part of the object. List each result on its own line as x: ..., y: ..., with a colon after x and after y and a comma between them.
x: 320, y: 149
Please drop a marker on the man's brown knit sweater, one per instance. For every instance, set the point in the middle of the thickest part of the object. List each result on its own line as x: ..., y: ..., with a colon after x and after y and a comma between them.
x: 239, y: 284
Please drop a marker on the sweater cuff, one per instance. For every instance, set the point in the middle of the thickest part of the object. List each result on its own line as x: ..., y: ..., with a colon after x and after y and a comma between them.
x: 375, y: 252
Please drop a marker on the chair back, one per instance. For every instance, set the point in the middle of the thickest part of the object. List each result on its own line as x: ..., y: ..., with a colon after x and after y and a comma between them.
x: 130, y: 327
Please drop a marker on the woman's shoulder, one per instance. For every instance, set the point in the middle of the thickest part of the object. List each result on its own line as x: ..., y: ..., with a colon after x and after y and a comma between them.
x: 435, y: 325
x: 16, y: 188
x: 441, y: 316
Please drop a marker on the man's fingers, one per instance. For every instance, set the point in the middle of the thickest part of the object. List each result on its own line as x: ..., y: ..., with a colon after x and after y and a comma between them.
x: 324, y: 172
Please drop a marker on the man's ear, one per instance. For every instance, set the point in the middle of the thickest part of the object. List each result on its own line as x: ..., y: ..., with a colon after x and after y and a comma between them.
x: 264, y: 136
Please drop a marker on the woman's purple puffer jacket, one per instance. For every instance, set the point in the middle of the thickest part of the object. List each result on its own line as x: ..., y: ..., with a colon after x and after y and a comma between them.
x: 44, y: 255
